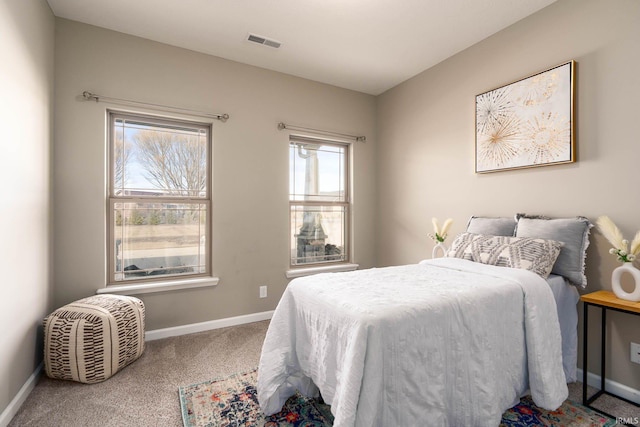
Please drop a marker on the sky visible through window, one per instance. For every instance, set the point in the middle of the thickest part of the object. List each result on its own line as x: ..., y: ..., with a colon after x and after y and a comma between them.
x: 136, y: 176
x: 330, y: 171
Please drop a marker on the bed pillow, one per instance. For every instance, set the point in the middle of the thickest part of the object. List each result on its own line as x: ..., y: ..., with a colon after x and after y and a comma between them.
x: 493, y: 226
x: 459, y: 246
x: 536, y: 255
x: 572, y: 232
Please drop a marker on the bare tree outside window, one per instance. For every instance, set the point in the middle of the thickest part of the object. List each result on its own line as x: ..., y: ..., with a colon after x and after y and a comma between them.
x: 121, y: 157
x: 173, y: 161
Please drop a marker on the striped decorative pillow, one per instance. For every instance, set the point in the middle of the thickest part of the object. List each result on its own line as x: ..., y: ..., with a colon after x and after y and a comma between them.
x: 537, y: 255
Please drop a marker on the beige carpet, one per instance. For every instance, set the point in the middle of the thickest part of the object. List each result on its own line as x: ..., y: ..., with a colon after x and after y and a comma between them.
x: 145, y: 394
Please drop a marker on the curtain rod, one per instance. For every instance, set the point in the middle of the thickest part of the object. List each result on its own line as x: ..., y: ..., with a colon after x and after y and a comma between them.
x: 93, y: 96
x: 282, y: 126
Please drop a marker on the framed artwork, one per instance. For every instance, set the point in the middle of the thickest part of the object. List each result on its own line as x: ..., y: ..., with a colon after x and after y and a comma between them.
x: 527, y: 123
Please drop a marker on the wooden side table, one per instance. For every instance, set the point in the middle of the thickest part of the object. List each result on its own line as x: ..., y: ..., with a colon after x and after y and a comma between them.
x: 606, y: 300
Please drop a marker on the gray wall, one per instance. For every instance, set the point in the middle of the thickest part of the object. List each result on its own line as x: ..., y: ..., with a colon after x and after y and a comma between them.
x: 426, y: 144
x: 417, y: 163
x: 250, y: 171
x: 26, y: 87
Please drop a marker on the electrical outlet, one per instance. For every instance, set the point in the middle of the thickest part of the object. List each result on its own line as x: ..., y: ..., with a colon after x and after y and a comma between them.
x: 635, y: 352
x: 263, y: 291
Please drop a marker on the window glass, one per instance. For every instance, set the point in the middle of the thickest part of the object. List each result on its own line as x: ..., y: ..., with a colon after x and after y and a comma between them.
x: 159, y: 160
x: 317, y: 172
x: 159, y: 203
x: 318, y: 199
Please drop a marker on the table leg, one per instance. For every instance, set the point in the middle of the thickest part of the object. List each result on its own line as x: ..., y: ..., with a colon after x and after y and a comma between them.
x: 585, y: 319
x: 602, y: 348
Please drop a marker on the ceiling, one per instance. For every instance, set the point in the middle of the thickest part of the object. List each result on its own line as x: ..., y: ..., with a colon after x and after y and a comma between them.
x: 364, y: 45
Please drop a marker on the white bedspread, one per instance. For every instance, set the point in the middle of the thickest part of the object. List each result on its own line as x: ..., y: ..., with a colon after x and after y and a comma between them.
x: 446, y: 342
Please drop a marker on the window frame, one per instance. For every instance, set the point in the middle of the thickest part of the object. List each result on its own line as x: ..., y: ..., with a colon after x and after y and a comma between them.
x: 347, y: 204
x: 112, y: 199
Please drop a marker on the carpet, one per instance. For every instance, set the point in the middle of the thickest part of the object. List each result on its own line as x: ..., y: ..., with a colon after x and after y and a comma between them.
x: 233, y: 402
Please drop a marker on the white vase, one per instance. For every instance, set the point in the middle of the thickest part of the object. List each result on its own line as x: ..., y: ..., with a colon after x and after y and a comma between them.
x: 616, y: 287
x: 439, y: 247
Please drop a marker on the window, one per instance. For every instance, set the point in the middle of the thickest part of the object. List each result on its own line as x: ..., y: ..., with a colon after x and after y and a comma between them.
x: 159, y: 198
x: 318, y: 201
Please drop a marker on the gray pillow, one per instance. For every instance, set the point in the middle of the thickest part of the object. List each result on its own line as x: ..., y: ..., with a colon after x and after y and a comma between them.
x: 572, y: 232
x: 537, y: 255
x: 491, y: 226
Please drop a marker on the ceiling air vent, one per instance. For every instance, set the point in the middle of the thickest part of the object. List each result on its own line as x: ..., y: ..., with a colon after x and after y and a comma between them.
x: 263, y: 40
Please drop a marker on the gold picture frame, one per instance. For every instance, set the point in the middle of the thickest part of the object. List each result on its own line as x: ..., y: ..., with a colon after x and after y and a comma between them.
x: 527, y: 123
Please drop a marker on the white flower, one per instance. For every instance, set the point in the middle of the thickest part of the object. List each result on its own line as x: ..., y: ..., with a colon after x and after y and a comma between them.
x: 445, y: 227
x: 611, y: 232
x: 440, y: 234
x: 620, y: 245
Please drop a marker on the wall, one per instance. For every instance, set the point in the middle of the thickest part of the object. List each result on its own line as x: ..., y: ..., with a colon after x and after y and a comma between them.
x: 26, y: 84
x: 426, y: 144
x: 250, y: 177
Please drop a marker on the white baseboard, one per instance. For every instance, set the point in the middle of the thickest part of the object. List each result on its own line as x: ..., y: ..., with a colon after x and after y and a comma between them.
x: 207, y: 326
x: 614, y: 387
x: 12, y: 409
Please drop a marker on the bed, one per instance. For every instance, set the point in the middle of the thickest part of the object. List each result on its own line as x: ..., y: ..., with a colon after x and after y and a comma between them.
x: 450, y: 341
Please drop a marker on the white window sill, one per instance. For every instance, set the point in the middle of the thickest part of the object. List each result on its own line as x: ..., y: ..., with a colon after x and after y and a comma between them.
x: 300, y: 272
x: 147, y: 288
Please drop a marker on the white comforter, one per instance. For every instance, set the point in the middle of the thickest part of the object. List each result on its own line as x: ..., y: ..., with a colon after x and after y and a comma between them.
x: 446, y: 342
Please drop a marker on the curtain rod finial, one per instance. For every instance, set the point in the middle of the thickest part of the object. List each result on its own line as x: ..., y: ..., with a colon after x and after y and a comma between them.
x: 281, y: 126
x: 224, y: 117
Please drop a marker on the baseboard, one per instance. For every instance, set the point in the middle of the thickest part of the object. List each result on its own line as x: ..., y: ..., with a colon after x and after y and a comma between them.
x: 12, y: 409
x: 206, y: 326
x: 614, y: 387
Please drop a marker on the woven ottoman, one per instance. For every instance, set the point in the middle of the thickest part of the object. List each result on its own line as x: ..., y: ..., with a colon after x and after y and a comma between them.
x: 91, y: 339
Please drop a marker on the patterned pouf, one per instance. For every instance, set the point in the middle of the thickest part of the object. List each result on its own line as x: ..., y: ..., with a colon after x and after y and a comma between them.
x: 91, y: 339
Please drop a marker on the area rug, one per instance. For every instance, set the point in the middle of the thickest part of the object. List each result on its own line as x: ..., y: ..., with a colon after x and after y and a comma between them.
x: 569, y: 414
x: 233, y: 402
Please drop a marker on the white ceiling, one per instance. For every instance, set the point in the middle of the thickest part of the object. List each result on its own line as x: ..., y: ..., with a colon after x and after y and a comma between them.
x: 365, y: 45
